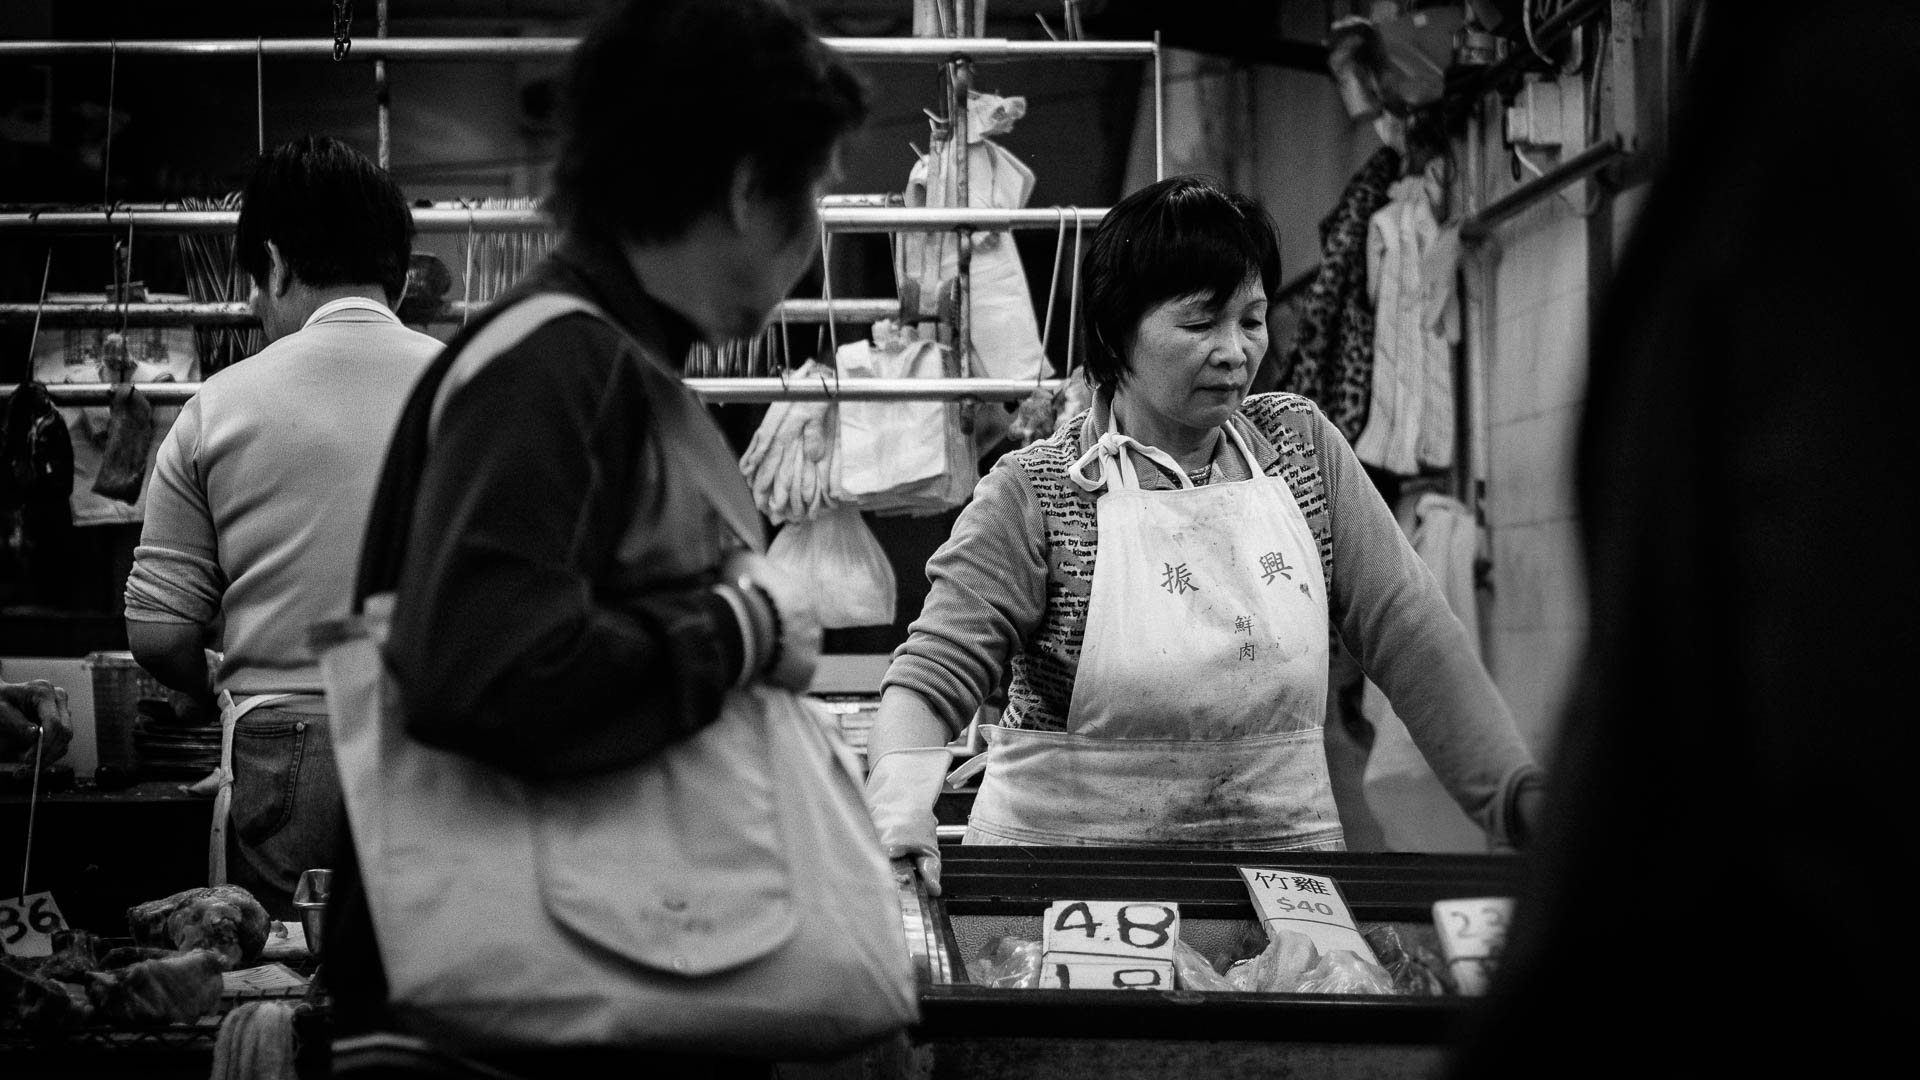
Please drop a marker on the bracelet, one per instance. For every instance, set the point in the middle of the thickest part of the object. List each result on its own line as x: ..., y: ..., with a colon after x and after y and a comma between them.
x: 779, y: 648
x: 749, y: 639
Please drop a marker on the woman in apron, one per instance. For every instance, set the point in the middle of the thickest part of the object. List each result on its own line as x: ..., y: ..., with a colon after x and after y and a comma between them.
x: 1162, y: 577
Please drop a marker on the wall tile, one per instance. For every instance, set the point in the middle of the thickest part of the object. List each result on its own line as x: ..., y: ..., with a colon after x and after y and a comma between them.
x: 1510, y: 373
x: 1530, y: 469
x: 1560, y: 372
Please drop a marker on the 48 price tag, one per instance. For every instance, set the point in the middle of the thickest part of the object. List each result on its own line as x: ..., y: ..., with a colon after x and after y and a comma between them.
x: 1108, y: 945
x: 1129, y: 930
x: 27, y: 924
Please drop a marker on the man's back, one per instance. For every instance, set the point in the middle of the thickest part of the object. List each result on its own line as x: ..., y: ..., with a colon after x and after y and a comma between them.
x: 277, y: 457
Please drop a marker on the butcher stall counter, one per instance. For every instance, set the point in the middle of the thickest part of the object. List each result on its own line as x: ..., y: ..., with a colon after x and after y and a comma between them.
x: 975, y: 1031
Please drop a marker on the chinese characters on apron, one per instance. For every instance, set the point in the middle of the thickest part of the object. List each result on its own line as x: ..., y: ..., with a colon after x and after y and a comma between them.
x: 1197, y: 711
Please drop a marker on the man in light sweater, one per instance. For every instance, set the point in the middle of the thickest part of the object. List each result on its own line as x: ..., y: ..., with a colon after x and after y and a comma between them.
x: 260, y: 494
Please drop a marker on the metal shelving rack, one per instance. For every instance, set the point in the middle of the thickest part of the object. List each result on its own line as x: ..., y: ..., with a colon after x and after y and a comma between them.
x: 855, y: 214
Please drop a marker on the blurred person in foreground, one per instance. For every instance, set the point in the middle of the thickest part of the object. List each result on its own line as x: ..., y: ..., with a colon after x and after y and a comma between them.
x: 567, y: 599
x: 1714, y: 892
x: 260, y: 494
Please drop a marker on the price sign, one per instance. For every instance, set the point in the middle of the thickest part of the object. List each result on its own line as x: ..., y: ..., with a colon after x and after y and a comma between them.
x: 1473, y: 933
x: 1122, y: 929
x: 27, y: 925
x: 1306, y: 903
x: 1085, y: 973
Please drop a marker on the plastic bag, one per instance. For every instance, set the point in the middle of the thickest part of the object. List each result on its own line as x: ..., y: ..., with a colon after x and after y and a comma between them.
x: 1008, y: 963
x: 1279, y: 967
x: 837, y: 556
x: 1194, y: 972
x: 1415, y: 969
x: 1343, y: 971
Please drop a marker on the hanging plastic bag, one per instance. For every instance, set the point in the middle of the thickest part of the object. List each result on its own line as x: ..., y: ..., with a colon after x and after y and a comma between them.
x: 841, y: 561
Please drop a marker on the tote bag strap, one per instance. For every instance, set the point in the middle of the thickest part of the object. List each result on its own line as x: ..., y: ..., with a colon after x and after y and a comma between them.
x: 686, y: 432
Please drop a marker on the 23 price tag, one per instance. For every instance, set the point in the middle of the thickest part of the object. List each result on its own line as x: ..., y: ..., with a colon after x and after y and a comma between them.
x: 1473, y: 932
x: 1128, y: 930
x: 27, y: 925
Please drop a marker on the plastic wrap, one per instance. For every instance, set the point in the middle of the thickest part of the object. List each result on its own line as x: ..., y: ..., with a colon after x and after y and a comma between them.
x: 1008, y: 963
x: 1194, y: 972
x: 1414, y: 968
x: 1278, y: 968
x: 1343, y: 971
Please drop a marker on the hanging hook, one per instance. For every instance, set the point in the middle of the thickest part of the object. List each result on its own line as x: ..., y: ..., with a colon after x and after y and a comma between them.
x: 1053, y: 280
x: 466, y: 278
x: 260, y: 94
x: 1073, y: 291
x: 106, y: 164
x: 826, y: 293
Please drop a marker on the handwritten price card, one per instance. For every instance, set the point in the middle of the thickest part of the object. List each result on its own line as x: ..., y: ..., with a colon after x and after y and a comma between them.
x: 1120, y: 929
x: 1108, y: 945
x: 1473, y: 933
x: 1308, y: 904
x: 1062, y: 973
x: 27, y: 925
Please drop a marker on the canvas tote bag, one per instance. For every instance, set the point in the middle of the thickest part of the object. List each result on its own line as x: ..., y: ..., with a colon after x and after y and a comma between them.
x: 728, y: 894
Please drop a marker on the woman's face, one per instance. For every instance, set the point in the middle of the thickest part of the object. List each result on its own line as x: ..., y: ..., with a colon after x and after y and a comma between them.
x: 1191, y: 361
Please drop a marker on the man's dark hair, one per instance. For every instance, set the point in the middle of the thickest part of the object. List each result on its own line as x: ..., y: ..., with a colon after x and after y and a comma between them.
x: 664, y: 98
x: 1179, y: 237
x: 337, y: 218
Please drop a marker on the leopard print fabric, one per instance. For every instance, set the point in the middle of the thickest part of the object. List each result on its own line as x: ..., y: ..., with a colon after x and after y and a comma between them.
x: 1331, y: 361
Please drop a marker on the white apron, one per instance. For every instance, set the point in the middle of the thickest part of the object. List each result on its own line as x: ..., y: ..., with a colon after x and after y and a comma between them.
x: 1197, y: 711
x: 231, y: 710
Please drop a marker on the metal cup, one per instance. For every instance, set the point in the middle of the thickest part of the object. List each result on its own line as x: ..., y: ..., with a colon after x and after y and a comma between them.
x: 310, y: 897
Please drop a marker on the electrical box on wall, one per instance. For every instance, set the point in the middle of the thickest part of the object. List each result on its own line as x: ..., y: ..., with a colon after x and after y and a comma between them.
x: 1548, y: 114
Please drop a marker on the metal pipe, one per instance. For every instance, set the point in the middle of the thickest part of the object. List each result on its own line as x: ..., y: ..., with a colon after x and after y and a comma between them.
x: 1159, y: 114
x: 1594, y: 158
x: 236, y: 313
x: 980, y: 50
x: 712, y: 391
x: 842, y: 219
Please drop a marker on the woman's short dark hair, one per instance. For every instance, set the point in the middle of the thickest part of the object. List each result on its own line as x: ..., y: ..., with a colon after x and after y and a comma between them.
x: 1178, y: 237
x: 337, y: 218
x: 664, y: 98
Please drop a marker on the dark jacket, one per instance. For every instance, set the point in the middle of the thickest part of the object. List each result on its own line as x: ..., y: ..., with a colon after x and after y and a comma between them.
x: 552, y: 614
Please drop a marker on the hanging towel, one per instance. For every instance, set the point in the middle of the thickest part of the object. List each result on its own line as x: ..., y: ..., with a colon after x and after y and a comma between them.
x: 1331, y: 361
x: 1410, y: 418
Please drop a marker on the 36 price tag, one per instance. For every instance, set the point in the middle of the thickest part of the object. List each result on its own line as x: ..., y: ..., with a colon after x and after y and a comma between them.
x: 1122, y: 929
x: 1306, y: 903
x: 1072, y: 973
x: 27, y: 925
x: 1473, y: 933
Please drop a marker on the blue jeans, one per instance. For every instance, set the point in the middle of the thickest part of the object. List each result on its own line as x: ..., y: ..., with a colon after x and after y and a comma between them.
x: 286, y: 801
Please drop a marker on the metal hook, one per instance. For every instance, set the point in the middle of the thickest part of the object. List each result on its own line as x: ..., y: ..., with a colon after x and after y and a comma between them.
x: 260, y: 94
x: 1053, y: 281
x: 1073, y: 292
x: 106, y: 165
x: 466, y: 277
